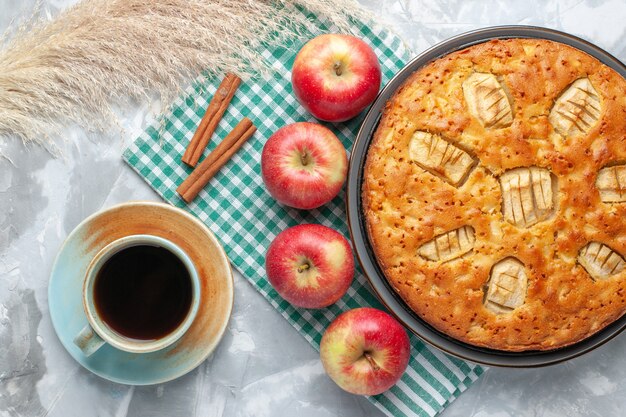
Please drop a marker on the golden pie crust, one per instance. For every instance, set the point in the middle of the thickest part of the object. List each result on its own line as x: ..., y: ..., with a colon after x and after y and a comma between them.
x: 495, y: 194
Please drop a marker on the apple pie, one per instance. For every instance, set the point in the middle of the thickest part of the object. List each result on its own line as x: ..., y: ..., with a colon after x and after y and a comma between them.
x: 494, y: 194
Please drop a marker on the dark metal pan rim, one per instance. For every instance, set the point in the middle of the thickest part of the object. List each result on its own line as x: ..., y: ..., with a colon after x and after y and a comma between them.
x: 356, y: 221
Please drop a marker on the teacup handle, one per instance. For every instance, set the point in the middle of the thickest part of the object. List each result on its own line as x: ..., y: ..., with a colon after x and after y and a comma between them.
x: 88, y: 341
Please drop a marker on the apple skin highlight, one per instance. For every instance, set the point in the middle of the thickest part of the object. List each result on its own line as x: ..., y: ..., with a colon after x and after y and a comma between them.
x: 365, y: 351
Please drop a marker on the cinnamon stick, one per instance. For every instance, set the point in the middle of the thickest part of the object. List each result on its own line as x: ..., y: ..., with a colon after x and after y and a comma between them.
x: 214, y: 112
x: 203, y: 173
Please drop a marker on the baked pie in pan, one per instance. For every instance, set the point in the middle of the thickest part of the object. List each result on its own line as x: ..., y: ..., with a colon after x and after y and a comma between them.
x: 494, y: 194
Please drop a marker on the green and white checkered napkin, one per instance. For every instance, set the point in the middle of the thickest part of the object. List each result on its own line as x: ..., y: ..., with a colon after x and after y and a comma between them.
x: 245, y: 218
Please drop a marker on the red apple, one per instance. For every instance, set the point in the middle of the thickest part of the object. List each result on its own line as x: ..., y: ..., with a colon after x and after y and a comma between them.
x: 310, y: 265
x: 365, y: 351
x: 335, y: 76
x: 304, y: 165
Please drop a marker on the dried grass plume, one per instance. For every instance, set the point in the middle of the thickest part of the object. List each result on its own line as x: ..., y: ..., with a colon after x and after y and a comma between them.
x: 102, y: 52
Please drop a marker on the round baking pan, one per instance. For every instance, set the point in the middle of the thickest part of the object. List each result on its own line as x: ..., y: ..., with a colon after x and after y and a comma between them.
x: 358, y: 229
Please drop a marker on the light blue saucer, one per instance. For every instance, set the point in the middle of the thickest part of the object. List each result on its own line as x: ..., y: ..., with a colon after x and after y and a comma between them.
x: 68, y: 272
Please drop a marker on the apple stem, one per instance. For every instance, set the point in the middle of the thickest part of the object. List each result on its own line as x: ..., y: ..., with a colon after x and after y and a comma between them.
x: 303, y: 267
x: 371, y: 361
x: 338, y: 68
x: 304, y: 158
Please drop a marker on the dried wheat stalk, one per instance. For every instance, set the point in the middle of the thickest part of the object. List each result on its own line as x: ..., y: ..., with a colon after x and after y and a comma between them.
x: 104, y: 52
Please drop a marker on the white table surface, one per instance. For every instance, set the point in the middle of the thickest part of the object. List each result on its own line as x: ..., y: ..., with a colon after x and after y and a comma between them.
x: 263, y: 367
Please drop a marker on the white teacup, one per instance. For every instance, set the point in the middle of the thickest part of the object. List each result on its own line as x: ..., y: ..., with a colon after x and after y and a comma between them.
x: 97, y: 333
